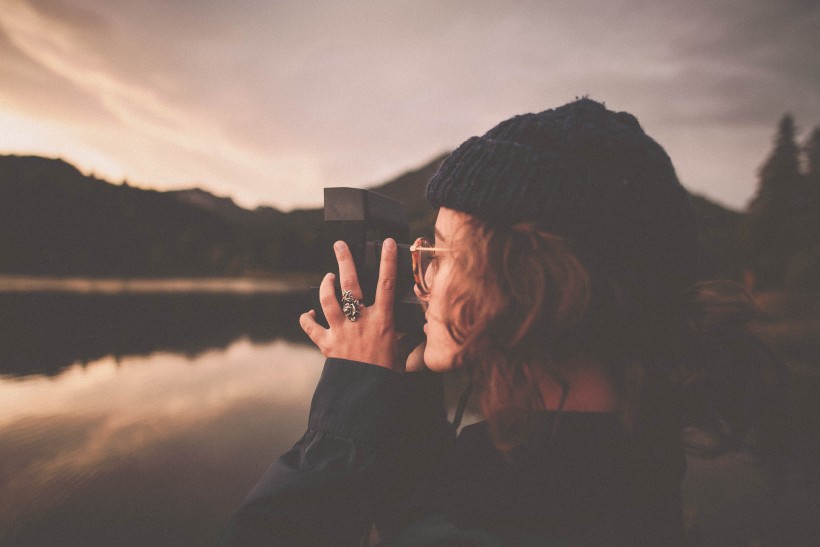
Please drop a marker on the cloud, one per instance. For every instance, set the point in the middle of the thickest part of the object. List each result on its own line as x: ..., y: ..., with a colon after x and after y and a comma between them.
x: 29, y: 86
x: 138, y: 119
x: 271, y: 101
x: 100, y: 415
x: 757, y: 59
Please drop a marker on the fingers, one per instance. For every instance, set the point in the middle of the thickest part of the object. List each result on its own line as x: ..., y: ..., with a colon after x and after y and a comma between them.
x: 348, y: 277
x: 386, y: 289
x: 313, y: 329
x: 327, y: 298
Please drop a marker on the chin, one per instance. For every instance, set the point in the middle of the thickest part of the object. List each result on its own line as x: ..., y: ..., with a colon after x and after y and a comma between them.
x: 437, y: 360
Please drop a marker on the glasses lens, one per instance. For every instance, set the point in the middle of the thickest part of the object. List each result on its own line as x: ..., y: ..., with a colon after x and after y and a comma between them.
x: 421, y: 263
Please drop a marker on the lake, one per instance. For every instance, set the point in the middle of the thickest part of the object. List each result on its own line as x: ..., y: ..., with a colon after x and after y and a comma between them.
x: 143, y: 419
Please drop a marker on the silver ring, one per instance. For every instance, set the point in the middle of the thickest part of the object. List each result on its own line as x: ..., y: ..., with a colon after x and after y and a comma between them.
x: 351, y: 306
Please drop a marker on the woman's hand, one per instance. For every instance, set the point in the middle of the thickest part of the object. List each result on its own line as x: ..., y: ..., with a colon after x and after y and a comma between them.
x: 372, y: 337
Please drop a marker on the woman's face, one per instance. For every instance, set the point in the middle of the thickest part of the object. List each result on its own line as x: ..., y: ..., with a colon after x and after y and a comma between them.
x: 441, y: 350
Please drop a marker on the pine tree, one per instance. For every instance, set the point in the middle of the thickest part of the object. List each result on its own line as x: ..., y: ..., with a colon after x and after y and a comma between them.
x: 779, y: 176
x: 811, y: 151
x: 803, y: 272
x: 771, y: 232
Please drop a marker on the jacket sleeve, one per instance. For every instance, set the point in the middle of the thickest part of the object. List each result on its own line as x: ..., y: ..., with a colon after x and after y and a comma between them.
x: 324, y: 491
x: 414, y: 450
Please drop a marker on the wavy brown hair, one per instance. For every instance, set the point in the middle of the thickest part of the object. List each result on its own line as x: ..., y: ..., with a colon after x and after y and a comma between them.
x: 522, y: 308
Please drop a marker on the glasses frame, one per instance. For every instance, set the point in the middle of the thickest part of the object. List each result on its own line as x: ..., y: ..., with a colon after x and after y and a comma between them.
x: 420, y: 245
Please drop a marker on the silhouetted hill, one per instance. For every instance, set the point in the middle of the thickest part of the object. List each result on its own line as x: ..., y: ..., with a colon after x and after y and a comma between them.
x: 227, y: 209
x: 56, y: 221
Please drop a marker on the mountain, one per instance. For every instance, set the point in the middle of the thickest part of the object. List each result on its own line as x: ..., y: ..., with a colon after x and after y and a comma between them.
x: 56, y: 221
x: 409, y: 190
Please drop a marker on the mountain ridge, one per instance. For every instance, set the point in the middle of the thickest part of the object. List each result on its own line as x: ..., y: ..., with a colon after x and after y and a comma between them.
x: 56, y: 221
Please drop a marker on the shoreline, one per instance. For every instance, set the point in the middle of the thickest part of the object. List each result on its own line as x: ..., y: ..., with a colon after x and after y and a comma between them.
x: 112, y: 285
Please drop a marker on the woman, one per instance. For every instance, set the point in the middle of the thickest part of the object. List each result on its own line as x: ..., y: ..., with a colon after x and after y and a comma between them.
x: 563, y: 244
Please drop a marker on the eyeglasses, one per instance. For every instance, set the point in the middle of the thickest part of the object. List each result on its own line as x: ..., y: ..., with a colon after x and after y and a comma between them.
x: 424, y: 257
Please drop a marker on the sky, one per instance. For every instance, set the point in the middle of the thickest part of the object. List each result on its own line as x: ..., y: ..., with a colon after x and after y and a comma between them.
x: 268, y: 102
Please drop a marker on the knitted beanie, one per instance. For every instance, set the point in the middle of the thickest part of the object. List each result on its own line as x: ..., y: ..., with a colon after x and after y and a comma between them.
x: 591, y: 176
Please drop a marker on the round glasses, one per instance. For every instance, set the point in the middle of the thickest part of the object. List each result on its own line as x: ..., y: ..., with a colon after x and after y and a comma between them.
x: 423, y: 255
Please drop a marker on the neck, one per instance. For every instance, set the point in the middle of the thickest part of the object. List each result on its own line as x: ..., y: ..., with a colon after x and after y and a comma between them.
x: 590, y: 388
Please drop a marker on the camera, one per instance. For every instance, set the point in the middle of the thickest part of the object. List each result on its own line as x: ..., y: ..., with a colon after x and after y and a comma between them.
x: 363, y: 219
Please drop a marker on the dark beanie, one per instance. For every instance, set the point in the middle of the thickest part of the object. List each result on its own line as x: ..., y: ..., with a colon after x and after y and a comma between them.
x: 591, y: 176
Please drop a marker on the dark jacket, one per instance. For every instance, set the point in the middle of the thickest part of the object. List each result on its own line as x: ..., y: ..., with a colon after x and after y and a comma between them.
x: 378, y: 449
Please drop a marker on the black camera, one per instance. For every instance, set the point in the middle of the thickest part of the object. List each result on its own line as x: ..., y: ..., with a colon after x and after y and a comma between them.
x: 363, y: 219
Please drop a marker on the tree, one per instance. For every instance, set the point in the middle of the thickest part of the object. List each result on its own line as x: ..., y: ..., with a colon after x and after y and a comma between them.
x: 779, y: 176
x: 772, y: 232
x: 803, y: 271
x: 811, y: 152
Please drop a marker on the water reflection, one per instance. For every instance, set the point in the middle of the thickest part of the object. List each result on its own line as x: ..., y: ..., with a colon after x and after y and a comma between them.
x: 147, y: 450
x: 43, y: 333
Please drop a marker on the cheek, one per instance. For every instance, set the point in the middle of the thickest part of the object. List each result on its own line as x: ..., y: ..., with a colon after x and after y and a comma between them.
x: 440, y: 353
x: 437, y: 301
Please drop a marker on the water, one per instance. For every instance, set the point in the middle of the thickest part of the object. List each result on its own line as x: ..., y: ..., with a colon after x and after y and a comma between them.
x: 143, y: 420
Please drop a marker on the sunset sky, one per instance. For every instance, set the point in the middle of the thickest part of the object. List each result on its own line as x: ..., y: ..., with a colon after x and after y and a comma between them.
x: 269, y: 101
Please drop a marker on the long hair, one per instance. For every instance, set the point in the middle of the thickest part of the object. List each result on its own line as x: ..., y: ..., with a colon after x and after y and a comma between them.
x: 520, y: 305
x: 524, y: 308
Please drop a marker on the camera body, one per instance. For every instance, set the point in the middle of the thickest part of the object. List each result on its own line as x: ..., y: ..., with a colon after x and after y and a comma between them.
x: 363, y: 219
